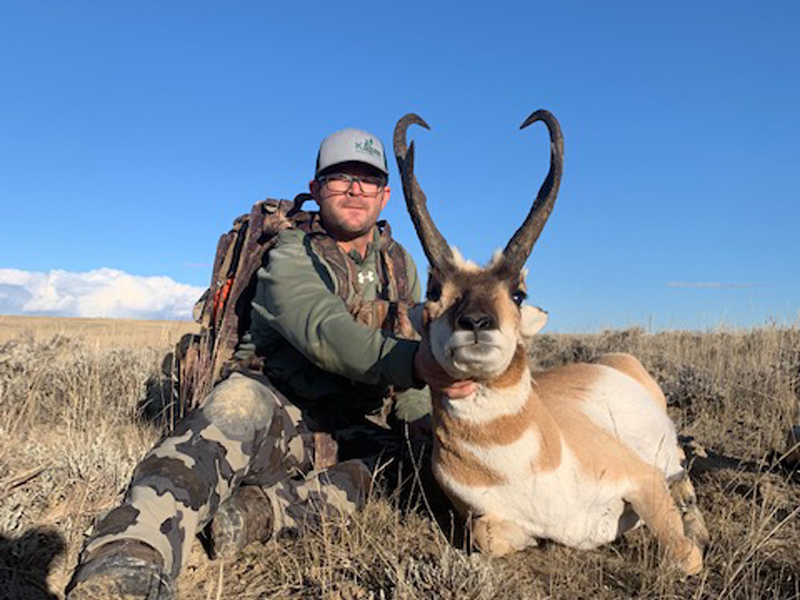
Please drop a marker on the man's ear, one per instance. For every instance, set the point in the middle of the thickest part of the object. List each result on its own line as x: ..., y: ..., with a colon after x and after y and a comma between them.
x: 315, y: 188
x: 416, y: 314
x: 387, y: 191
x: 533, y: 319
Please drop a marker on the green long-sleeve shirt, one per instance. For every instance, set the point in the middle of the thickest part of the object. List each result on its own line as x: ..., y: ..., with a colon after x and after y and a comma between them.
x: 313, y: 348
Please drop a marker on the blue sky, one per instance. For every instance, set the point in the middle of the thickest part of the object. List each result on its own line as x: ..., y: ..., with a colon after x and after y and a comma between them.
x: 131, y: 135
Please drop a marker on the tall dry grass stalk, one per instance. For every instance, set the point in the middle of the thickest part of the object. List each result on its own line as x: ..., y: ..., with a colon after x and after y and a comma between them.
x: 72, y: 430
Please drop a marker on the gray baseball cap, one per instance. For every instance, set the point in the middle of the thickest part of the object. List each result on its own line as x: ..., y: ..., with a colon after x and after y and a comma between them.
x: 351, y: 145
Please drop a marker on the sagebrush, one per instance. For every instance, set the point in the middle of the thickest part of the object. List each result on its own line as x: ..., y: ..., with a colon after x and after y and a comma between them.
x: 77, y: 415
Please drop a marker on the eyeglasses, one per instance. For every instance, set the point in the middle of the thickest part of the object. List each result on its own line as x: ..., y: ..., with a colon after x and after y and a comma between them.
x: 342, y: 183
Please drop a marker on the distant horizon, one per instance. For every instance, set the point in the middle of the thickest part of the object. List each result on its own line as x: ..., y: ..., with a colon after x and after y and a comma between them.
x: 647, y: 328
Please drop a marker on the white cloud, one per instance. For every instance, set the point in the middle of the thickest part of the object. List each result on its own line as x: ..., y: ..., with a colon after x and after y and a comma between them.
x: 100, y: 293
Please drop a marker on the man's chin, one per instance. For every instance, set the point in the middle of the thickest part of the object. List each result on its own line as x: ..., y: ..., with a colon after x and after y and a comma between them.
x: 346, y: 232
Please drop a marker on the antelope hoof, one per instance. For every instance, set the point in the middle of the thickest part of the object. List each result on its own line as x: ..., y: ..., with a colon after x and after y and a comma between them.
x: 689, y: 557
x: 693, y: 563
x: 499, y: 538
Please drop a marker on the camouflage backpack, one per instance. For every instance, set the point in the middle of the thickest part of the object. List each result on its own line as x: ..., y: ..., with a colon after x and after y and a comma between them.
x: 201, y: 360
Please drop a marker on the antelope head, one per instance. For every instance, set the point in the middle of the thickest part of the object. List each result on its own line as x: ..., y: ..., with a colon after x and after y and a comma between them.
x: 475, y: 318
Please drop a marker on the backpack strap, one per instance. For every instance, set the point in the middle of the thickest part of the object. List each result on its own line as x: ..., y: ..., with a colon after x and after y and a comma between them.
x: 396, y: 283
x: 265, y: 220
x: 221, y: 272
x: 343, y: 271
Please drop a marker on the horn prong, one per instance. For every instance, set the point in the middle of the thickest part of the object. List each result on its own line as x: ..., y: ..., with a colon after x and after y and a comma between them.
x: 433, y: 243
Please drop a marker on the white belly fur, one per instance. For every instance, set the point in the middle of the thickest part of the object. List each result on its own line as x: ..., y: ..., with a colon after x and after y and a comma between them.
x: 556, y: 505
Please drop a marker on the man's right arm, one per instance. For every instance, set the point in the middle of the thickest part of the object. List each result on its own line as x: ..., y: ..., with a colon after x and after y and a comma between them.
x: 295, y: 298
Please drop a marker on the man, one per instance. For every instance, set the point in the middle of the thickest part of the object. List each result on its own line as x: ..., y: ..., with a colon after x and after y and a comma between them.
x: 246, y: 456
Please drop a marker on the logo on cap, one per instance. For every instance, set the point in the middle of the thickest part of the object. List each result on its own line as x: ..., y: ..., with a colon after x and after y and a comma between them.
x: 367, y: 147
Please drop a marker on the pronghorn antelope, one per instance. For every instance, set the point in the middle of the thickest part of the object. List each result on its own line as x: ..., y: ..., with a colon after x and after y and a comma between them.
x: 577, y: 454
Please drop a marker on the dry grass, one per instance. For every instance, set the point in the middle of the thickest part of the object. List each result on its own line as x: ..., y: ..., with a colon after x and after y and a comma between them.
x: 71, y: 433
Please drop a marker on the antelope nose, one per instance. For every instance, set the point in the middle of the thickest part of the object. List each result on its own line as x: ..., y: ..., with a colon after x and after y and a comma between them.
x: 476, y: 321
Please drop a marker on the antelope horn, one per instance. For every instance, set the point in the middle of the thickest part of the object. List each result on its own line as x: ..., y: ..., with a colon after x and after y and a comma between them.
x: 519, y: 247
x: 433, y: 243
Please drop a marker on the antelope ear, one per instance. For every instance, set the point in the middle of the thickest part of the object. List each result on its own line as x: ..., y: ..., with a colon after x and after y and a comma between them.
x: 416, y: 314
x: 532, y: 321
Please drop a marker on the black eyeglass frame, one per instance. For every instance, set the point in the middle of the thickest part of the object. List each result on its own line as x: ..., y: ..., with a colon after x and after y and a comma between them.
x: 381, y: 182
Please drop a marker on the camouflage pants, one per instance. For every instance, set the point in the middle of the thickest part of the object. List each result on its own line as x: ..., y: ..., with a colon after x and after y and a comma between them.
x: 244, y: 432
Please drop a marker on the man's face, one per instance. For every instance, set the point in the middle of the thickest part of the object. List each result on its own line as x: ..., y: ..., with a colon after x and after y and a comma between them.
x: 351, y: 214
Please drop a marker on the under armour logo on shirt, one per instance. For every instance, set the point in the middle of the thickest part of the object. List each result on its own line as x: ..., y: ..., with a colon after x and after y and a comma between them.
x: 368, y: 276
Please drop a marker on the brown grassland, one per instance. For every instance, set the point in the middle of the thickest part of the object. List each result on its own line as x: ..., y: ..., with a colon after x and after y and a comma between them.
x: 72, y: 429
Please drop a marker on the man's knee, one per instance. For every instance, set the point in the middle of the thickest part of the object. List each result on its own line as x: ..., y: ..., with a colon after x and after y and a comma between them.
x: 302, y: 503
x: 239, y: 406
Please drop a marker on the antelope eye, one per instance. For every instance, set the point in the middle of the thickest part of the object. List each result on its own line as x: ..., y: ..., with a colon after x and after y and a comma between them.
x: 434, y: 291
x: 519, y: 297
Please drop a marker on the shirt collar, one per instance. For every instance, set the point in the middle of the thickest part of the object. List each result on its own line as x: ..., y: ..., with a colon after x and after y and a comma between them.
x: 372, y: 248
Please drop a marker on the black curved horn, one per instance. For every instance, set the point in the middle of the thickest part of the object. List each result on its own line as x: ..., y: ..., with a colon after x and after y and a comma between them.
x: 433, y: 243
x: 521, y: 243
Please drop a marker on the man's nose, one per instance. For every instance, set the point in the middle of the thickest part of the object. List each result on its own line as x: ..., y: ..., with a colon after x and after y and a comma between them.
x: 352, y: 190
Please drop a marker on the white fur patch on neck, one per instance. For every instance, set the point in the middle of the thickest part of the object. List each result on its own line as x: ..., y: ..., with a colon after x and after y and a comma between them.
x: 489, y: 403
